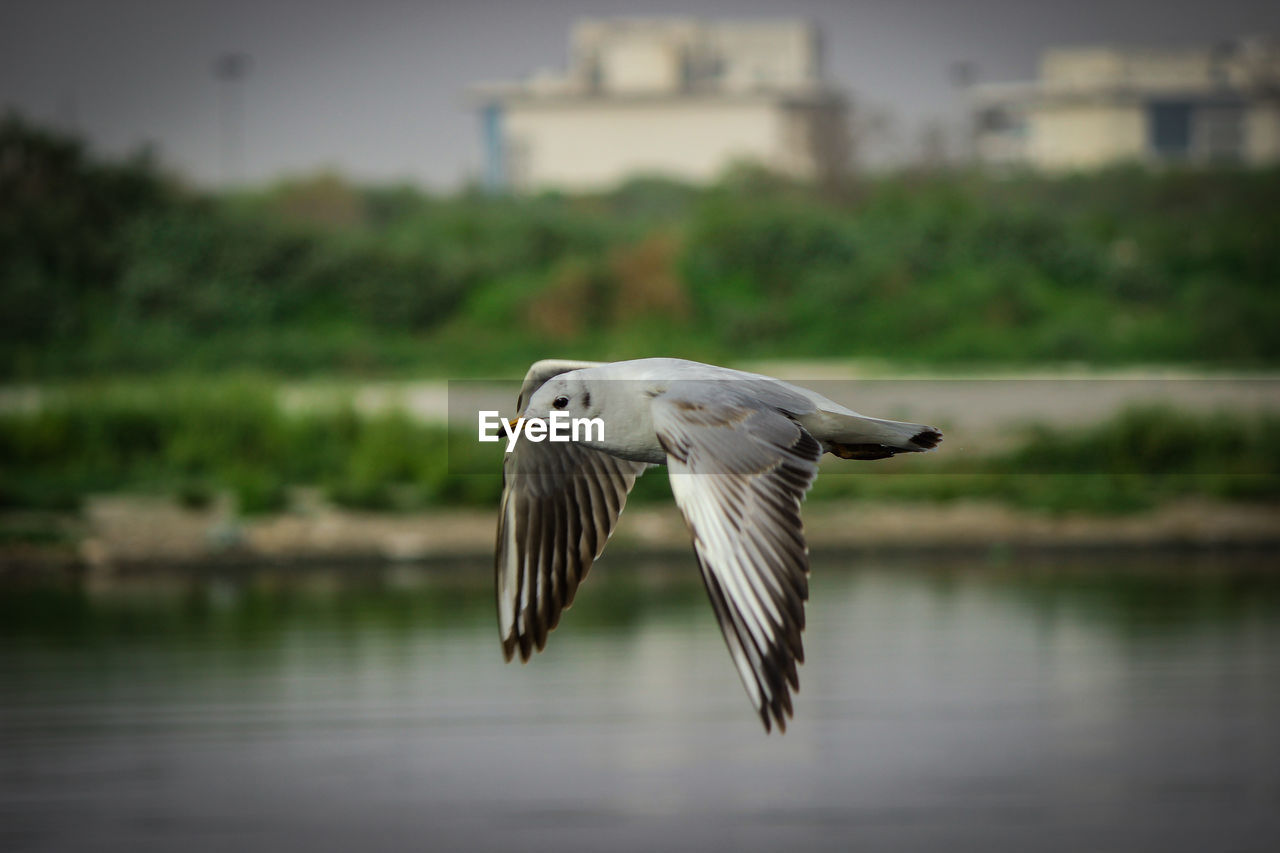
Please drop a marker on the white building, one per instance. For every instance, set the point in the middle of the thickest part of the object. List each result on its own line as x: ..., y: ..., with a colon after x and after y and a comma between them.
x: 679, y: 98
x: 1100, y: 105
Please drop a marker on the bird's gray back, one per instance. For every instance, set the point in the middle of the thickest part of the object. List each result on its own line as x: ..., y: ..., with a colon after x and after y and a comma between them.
x: 672, y: 375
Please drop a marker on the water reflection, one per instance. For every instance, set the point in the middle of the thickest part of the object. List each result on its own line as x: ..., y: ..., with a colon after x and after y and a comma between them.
x: 963, y: 706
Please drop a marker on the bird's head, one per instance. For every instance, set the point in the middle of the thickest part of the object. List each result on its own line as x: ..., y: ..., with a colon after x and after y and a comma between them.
x: 567, y: 393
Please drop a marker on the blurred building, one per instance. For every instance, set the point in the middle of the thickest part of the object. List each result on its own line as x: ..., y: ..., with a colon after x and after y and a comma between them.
x: 675, y: 97
x: 1096, y: 106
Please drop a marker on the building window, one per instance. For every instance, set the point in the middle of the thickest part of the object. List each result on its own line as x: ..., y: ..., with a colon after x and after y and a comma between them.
x: 1203, y: 131
x: 595, y: 78
x: 1001, y: 121
x: 1219, y: 132
x: 1169, y: 126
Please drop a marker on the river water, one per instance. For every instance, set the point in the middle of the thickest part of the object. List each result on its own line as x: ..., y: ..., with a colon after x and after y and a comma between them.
x: 1126, y: 703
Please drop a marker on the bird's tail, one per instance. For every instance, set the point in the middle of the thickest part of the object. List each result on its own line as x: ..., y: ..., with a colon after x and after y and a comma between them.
x: 859, y: 437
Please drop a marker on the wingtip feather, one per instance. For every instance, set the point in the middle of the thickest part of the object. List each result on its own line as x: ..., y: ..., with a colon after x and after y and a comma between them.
x: 928, y: 438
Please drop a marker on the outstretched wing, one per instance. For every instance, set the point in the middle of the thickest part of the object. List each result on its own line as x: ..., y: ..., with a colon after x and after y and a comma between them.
x: 560, y: 505
x: 739, y: 471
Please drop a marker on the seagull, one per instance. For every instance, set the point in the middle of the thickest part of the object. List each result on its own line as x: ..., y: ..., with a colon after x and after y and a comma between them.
x: 742, y: 450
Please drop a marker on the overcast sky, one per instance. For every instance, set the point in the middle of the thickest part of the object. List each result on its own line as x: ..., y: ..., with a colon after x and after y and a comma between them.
x: 375, y: 88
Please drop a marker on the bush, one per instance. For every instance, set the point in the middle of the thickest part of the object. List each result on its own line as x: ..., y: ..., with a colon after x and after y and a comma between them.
x: 111, y: 267
x: 194, y: 440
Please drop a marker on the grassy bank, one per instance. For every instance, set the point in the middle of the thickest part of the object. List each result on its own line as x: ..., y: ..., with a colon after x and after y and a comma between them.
x: 111, y: 268
x: 197, y: 440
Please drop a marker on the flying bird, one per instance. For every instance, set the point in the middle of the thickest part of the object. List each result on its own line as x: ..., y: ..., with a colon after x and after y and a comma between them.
x: 742, y: 450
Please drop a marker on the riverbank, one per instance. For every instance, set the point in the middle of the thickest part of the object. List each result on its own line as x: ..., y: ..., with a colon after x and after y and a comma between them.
x: 122, y: 535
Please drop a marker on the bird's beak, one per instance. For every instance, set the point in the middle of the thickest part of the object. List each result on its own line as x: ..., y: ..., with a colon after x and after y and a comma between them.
x: 512, y: 422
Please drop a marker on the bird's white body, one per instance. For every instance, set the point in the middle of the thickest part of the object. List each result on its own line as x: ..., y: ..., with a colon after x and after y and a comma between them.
x: 742, y: 450
x: 621, y: 394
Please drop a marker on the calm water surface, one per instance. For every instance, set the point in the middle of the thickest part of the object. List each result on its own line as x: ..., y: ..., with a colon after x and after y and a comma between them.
x: 1118, y: 705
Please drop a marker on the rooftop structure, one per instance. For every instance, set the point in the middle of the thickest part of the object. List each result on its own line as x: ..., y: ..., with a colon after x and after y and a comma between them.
x: 1100, y: 105
x: 676, y: 97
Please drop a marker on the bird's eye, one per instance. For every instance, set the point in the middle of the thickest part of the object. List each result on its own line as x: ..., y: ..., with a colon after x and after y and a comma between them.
x: 560, y: 402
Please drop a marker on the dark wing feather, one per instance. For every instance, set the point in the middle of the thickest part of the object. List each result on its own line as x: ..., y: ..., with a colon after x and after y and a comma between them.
x: 560, y: 505
x: 739, y: 471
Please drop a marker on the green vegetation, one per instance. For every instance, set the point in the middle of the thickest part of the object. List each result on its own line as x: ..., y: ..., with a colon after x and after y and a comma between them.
x: 110, y: 268
x: 194, y: 441
x: 115, y: 270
